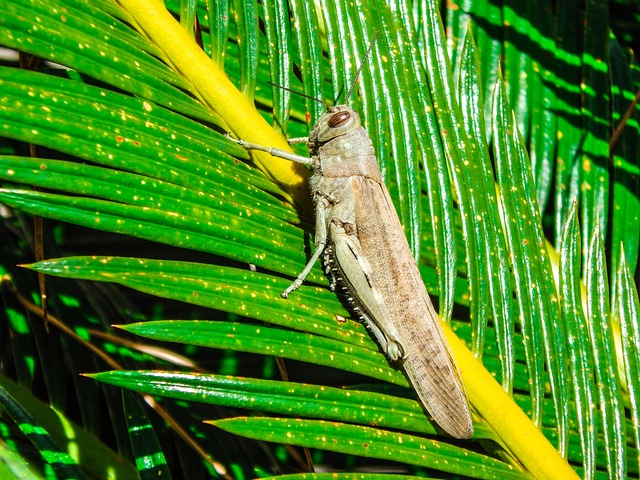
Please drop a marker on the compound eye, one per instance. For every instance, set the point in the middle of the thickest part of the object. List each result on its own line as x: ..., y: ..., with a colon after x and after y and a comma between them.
x: 339, y: 119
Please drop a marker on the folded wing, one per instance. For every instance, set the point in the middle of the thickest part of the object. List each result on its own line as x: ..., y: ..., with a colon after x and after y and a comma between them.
x: 429, y: 364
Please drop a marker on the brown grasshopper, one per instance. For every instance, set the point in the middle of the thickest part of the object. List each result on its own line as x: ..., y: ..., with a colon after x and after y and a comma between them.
x: 366, y: 252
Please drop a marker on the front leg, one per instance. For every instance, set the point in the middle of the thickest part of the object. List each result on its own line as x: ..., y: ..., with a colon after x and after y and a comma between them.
x: 276, y: 152
x: 320, y: 242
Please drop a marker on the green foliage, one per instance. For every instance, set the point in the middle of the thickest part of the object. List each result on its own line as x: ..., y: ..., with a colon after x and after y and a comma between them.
x: 495, y: 144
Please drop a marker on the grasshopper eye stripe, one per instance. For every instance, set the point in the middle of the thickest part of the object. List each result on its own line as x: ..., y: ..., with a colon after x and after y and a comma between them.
x: 339, y: 119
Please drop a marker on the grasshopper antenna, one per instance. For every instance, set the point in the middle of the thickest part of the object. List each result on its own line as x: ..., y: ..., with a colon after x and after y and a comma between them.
x: 367, y: 55
x: 364, y: 62
x: 297, y: 93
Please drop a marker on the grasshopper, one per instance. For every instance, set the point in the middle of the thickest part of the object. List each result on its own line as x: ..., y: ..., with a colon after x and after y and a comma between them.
x: 365, y: 251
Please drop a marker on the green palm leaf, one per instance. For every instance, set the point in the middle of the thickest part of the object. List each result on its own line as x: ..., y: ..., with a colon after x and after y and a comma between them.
x: 131, y: 141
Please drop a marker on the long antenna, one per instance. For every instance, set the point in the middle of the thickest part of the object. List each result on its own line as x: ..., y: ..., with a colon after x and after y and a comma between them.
x: 364, y: 62
x: 353, y: 84
x: 298, y: 93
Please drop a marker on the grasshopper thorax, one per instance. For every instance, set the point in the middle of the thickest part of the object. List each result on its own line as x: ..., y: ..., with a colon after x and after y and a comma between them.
x: 338, y: 121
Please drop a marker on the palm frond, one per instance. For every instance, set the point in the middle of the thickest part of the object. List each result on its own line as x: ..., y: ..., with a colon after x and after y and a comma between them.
x: 132, y: 142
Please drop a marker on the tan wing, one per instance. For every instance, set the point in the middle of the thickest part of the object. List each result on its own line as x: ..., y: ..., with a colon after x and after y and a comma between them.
x: 429, y: 364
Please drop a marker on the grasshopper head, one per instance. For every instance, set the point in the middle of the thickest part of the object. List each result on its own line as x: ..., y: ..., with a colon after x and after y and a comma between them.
x: 338, y: 121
